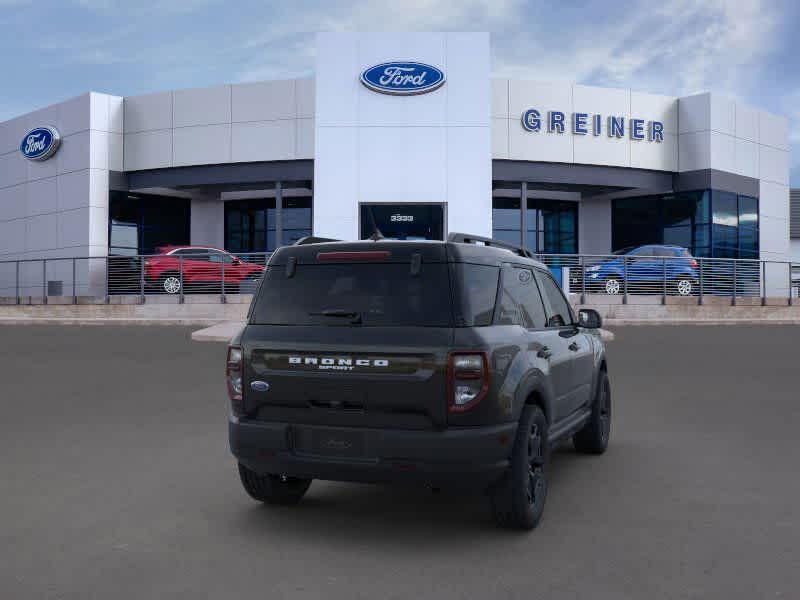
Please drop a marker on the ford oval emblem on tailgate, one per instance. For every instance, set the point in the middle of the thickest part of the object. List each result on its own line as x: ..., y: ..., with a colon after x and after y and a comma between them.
x: 259, y: 386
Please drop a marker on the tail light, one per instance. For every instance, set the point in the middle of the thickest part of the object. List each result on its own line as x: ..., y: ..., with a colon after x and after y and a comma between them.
x: 233, y: 376
x: 467, y: 380
x: 694, y: 264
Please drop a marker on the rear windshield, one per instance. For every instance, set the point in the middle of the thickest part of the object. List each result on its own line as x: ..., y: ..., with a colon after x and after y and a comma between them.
x: 355, y: 295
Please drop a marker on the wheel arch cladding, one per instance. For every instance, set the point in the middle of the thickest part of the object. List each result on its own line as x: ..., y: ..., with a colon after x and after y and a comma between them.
x: 535, y: 397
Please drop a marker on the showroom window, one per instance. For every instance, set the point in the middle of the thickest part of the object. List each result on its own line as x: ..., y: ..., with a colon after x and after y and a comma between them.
x: 140, y: 223
x: 551, y: 226
x: 282, y: 216
x: 706, y: 222
x: 250, y: 225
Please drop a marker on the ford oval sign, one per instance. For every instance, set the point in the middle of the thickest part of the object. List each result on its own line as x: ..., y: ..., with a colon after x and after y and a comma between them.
x: 40, y: 143
x: 402, y: 78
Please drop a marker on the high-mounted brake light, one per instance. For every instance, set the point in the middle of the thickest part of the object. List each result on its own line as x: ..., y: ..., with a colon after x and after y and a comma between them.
x: 354, y: 256
x: 233, y: 376
x: 467, y: 379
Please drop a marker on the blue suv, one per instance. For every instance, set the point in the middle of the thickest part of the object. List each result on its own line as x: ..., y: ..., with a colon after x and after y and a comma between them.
x: 645, y: 268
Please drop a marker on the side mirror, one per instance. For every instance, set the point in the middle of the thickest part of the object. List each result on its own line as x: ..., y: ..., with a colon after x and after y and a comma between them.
x: 589, y: 318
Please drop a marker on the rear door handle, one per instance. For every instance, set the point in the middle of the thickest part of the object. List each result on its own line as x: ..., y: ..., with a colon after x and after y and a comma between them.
x: 574, y: 347
x: 544, y: 352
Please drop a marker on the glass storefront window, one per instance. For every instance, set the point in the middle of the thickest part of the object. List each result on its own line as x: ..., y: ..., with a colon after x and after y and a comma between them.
x: 706, y: 222
x: 296, y: 218
x: 264, y: 224
x: 725, y: 209
x: 636, y: 222
x: 506, y: 220
x: 250, y: 225
x: 748, y: 211
x: 678, y: 236
x: 141, y: 223
x: 552, y: 226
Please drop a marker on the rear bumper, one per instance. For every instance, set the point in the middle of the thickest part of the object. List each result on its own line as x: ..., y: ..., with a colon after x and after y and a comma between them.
x: 463, y: 457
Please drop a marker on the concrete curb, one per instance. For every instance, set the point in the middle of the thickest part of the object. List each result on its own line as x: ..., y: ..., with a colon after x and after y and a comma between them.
x: 684, y: 321
x: 221, y: 332
x: 105, y: 321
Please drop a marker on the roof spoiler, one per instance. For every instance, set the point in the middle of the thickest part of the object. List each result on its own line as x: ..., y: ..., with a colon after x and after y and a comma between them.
x: 465, y: 238
x: 311, y: 239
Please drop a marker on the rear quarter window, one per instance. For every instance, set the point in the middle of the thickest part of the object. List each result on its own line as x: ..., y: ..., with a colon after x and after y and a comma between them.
x: 477, y: 293
x: 521, y: 303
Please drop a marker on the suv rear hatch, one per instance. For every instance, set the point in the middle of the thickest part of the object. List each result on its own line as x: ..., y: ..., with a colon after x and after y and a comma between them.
x: 351, y: 335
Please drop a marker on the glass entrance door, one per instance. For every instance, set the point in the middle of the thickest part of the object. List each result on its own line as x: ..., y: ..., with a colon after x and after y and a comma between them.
x: 403, y: 221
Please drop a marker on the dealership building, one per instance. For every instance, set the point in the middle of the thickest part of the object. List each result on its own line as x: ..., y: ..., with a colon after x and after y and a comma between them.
x: 406, y: 133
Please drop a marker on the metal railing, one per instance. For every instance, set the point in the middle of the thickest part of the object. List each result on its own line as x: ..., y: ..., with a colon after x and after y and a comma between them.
x: 661, y: 277
x: 631, y: 278
x: 68, y: 280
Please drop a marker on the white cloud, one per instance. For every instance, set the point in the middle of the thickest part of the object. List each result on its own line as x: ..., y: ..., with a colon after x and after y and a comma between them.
x: 673, y: 47
x: 286, y: 46
x: 676, y: 47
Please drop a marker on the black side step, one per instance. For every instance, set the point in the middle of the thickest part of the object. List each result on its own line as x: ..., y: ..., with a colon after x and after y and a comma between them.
x: 571, y: 424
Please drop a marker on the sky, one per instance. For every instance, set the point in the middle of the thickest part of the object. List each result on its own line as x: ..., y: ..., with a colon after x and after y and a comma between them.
x: 747, y: 49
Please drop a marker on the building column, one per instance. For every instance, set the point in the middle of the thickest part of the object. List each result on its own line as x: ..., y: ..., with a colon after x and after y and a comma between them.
x: 207, y: 221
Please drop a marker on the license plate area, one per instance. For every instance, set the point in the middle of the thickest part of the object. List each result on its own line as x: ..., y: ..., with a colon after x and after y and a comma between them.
x: 330, y: 442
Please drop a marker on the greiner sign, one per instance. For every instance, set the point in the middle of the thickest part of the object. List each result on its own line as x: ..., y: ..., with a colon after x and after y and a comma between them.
x: 593, y: 124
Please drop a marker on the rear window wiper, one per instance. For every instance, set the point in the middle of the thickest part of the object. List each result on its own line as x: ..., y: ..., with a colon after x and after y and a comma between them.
x: 354, y: 316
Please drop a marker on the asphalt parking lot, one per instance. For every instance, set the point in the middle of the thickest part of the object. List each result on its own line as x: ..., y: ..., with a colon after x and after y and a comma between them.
x: 116, y: 482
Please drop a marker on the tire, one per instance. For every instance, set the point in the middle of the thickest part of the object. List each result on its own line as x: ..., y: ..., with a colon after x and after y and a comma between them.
x: 273, y: 489
x: 170, y: 283
x: 518, y: 501
x: 684, y: 286
x: 593, y: 438
x: 612, y: 286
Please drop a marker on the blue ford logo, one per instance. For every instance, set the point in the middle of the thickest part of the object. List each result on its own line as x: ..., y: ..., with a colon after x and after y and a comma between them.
x: 402, y: 78
x: 40, y: 143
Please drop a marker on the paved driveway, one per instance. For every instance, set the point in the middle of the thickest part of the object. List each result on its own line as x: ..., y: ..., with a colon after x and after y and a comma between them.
x: 115, y: 482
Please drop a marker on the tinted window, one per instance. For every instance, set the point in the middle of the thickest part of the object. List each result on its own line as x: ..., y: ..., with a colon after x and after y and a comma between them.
x: 560, y: 313
x: 192, y: 254
x: 661, y: 251
x: 381, y: 294
x: 220, y: 257
x: 521, y: 303
x: 477, y: 285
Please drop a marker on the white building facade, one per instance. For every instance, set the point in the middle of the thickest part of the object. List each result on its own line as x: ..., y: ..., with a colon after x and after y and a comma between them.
x: 560, y: 167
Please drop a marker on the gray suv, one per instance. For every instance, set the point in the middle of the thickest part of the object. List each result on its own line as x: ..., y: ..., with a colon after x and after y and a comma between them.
x: 456, y: 363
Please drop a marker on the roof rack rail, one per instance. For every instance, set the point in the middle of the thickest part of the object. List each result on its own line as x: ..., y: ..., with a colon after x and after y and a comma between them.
x: 311, y: 239
x: 465, y: 238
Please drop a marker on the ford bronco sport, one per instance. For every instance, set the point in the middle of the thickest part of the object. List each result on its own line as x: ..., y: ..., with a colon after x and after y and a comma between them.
x: 443, y: 363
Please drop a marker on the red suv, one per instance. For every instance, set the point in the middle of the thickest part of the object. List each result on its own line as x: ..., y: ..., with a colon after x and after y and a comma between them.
x: 203, y: 269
